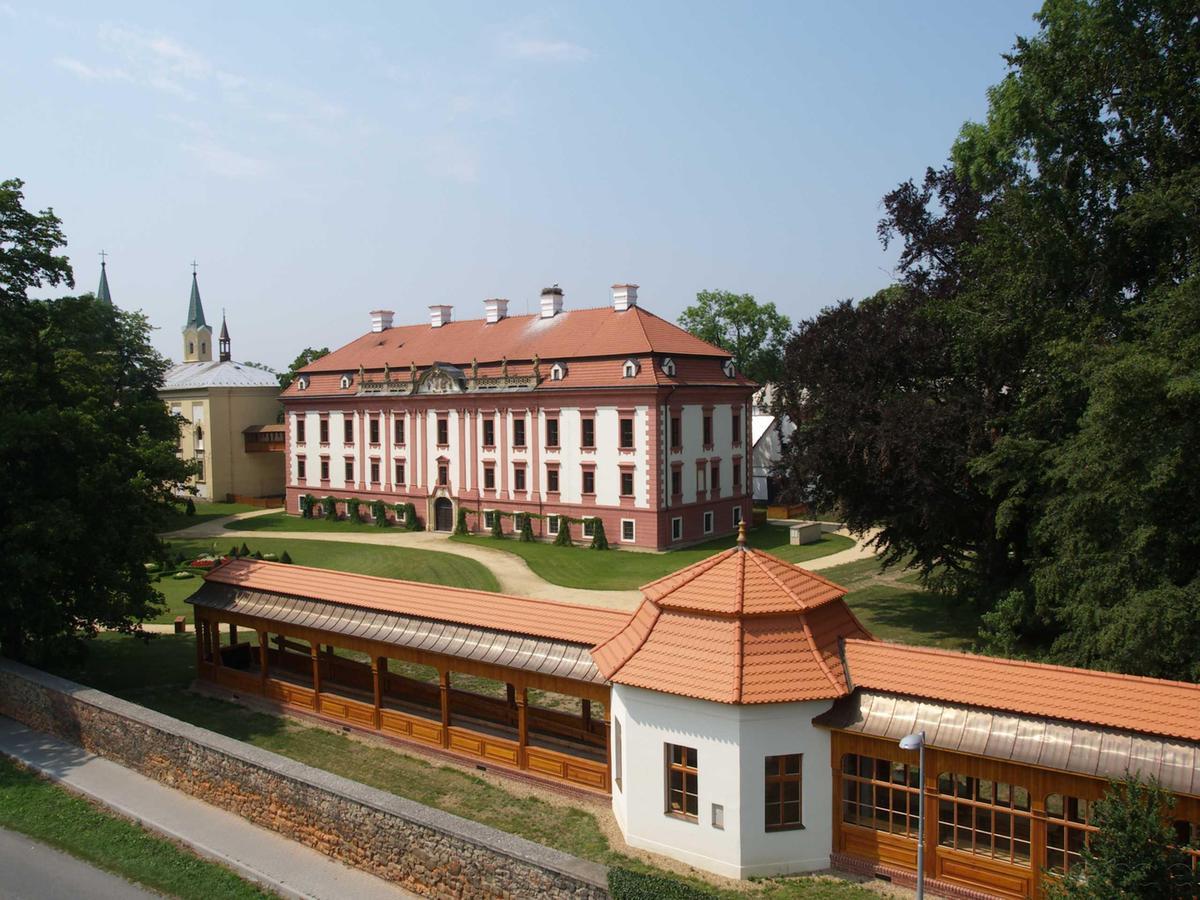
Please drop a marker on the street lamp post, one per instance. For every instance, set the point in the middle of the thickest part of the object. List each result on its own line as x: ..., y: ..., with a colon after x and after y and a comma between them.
x: 917, y: 742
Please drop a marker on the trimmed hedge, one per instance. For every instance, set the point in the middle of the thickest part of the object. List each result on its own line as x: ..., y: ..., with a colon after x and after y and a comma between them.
x: 599, y: 541
x: 624, y: 884
x: 460, y: 527
x: 563, y: 538
x: 526, y: 529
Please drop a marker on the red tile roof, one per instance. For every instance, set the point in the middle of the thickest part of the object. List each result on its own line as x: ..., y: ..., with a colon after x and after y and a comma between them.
x: 1147, y: 705
x: 738, y: 627
x: 482, y: 609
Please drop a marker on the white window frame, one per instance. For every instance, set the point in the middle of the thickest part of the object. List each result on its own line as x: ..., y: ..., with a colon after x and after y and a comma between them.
x: 488, y: 518
x: 630, y: 368
x: 557, y: 372
x: 708, y: 521
x: 633, y: 531
x: 346, y: 382
x: 668, y: 366
x: 552, y: 524
x: 302, y: 383
x: 518, y: 521
x: 729, y: 368
x: 677, y: 528
x: 589, y: 528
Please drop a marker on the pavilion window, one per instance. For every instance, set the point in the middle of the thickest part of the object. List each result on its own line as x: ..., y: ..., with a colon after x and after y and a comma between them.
x: 737, y: 429
x: 627, y: 483
x: 708, y: 431
x: 676, y: 482
x: 324, y: 470
x: 443, y: 475
x: 683, y: 782
x: 552, y: 524
x: 398, y: 431
x: 589, y: 481
x: 399, y: 474
x: 880, y: 794
x: 714, y: 479
x: 987, y: 818
x: 348, y: 430
x: 374, y: 430
x: 1068, y: 829
x: 783, y: 792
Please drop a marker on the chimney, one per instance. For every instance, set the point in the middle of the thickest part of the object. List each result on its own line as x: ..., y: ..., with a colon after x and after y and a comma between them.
x: 551, y: 301
x: 440, y: 315
x: 381, y: 319
x: 495, y: 309
x: 624, y: 296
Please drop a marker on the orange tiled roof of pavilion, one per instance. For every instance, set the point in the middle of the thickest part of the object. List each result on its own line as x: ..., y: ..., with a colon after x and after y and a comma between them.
x: 1107, y: 699
x: 578, y: 334
x: 739, y: 627
x: 482, y: 609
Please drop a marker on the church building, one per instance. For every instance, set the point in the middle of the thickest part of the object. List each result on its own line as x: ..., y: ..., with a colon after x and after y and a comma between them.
x: 229, y: 412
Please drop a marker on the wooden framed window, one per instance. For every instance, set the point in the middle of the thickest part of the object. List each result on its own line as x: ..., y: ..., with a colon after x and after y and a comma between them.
x: 443, y: 431
x: 987, y: 818
x: 551, y: 432
x: 783, y: 792
x: 589, y: 481
x: 552, y: 481
x: 489, y: 432
x: 626, y: 482
x: 323, y: 431
x: 676, y: 433
x: 375, y: 473
x: 300, y: 430
x: 737, y: 429
x: 714, y: 478
x: 347, y: 430
x: 398, y: 431
x: 443, y: 474
x: 627, y: 434
x: 324, y: 470
x: 1068, y: 827
x: 1187, y: 839
x: 374, y: 430
x: 519, y: 432
x: 708, y: 431
x: 301, y: 467
x: 628, y: 530
x: 588, y: 431
x: 676, y: 482
x: 349, y: 469
x: 683, y: 782
x: 677, y: 528
x: 518, y: 478
x: 552, y: 526
x: 489, y: 478
x: 881, y: 794
x: 399, y: 474
x: 737, y: 516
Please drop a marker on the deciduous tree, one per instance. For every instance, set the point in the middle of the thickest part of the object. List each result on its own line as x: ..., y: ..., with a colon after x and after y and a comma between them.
x: 753, y: 332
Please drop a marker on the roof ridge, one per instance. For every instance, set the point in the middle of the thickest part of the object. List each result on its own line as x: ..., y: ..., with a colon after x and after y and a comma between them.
x: 740, y: 650
x: 809, y: 572
x: 783, y: 587
x: 700, y: 567
x: 1023, y: 663
x: 657, y: 611
x: 816, y: 651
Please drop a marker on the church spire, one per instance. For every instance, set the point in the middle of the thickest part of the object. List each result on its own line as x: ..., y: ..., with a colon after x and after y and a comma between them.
x: 197, y: 333
x: 195, y: 317
x: 224, y: 340
x: 102, y: 293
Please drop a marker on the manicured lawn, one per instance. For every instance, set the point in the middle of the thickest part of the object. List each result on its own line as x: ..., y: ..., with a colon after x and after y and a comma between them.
x: 616, y: 569
x: 204, y: 512
x: 387, y: 562
x: 119, y: 664
x: 48, y: 813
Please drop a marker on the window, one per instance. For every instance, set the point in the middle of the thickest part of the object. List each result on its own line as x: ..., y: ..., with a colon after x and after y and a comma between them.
x: 346, y: 382
x: 987, y: 818
x: 718, y: 816
x: 589, y: 481
x: 443, y: 431
x: 1187, y: 839
x: 783, y: 780
x: 324, y: 431
x: 589, y: 528
x: 627, y: 483
x: 489, y: 432
x: 302, y: 381
x: 552, y: 527
x: 347, y: 430
x: 676, y: 433
x: 399, y: 473
x: 518, y: 478
x: 518, y: 522
x: 618, y: 768
x: 627, y: 434
x: 375, y: 473
x: 301, y: 467
x: 374, y: 430
x: 701, y: 476
x: 324, y: 470
x: 552, y: 481
x: 557, y: 372
x: 300, y: 431
x: 708, y: 522
x: 552, y: 432
x: 683, y: 792
x: 489, y: 518
x: 714, y: 479
x: 668, y: 367
x: 627, y: 530
x: 677, y: 528
x: 708, y: 430
x: 737, y: 474
x: 349, y: 470
x: 737, y: 429
x: 200, y: 467
x: 398, y: 430
x: 880, y: 794
x: 729, y: 368
x: 489, y: 478
x: 519, y: 432
x: 443, y: 474
x: 676, y: 482
x: 589, y: 432
x: 1068, y: 825
x: 737, y: 516
x: 630, y: 369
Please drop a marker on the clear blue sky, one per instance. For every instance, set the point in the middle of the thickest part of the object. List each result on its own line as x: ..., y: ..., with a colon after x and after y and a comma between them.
x: 323, y: 160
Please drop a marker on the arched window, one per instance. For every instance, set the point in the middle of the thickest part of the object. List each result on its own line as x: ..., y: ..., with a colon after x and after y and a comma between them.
x: 191, y: 348
x: 557, y: 372
x: 668, y: 367
x: 630, y: 368
x: 346, y: 381
x: 987, y: 818
x: 302, y: 382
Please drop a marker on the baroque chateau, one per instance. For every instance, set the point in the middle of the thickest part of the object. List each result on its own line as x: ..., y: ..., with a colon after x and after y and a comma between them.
x: 608, y: 413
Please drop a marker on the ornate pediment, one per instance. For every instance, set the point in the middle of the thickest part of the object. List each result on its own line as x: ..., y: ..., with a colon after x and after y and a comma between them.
x: 442, y: 379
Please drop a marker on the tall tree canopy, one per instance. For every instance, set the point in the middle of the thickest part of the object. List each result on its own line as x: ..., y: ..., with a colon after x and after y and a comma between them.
x: 1051, y: 270
x: 306, y: 356
x: 87, y: 449
x: 754, y: 333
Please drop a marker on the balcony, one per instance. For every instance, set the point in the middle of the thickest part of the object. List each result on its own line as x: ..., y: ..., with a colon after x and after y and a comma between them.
x: 265, y: 438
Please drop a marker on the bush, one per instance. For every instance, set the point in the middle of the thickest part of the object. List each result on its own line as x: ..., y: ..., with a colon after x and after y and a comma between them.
x: 563, y: 538
x: 410, y: 518
x: 233, y: 551
x: 400, y: 507
x: 599, y: 541
x: 258, y: 554
x: 152, y: 567
x: 270, y: 557
x: 307, y: 502
x: 460, y: 526
x: 626, y: 885
x: 190, y: 509
x: 329, y: 507
x: 352, y: 505
x: 180, y: 576
x: 286, y: 558
x: 497, y: 527
x: 526, y: 529
x: 245, y: 551
x: 379, y: 513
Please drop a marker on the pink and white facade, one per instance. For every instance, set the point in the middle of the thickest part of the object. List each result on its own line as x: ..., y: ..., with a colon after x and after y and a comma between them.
x: 611, y: 413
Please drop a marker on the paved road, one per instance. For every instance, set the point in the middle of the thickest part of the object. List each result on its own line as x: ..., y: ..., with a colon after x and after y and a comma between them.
x: 35, y: 871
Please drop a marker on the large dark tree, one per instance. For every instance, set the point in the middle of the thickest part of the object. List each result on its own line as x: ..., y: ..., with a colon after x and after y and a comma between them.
x: 1056, y: 257
x: 87, y: 449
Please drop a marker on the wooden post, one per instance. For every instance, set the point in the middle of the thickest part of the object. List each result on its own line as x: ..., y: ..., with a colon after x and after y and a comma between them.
x: 329, y: 657
x: 522, y: 727
x: 587, y: 715
x: 444, y: 684
x: 232, y: 633
x: 511, y: 692
x: 214, y: 637
x: 314, y: 650
x: 930, y: 787
x: 264, y: 662
x: 608, y: 745
x: 199, y: 644
x: 378, y: 665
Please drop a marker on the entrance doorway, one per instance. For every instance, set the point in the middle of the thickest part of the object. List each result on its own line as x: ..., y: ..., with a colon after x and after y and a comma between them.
x: 443, y: 515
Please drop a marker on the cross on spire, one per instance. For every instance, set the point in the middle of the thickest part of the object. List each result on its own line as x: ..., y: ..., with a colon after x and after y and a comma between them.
x: 103, y: 258
x: 194, y: 267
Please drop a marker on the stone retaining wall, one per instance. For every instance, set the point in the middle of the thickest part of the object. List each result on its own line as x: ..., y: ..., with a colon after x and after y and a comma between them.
x: 424, y: 850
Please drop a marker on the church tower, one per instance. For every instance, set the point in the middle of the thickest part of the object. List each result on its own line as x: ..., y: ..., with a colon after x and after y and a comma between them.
x: 197, y: 334
x: 224, y: 340
x: 102, y: 293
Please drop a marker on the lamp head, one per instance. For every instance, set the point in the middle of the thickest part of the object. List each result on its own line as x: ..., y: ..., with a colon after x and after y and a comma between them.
x: 913, y: 741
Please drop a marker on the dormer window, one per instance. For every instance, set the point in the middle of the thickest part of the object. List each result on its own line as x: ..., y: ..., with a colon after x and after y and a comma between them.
x: 630, y: 368
x: 302, y: 382
x: 346, y: 381
x: 668, y: 367
x: 729, y: 368
x: 557, y: 372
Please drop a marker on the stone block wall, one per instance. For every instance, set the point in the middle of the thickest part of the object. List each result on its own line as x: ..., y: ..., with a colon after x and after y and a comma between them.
x: 421, y: 849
